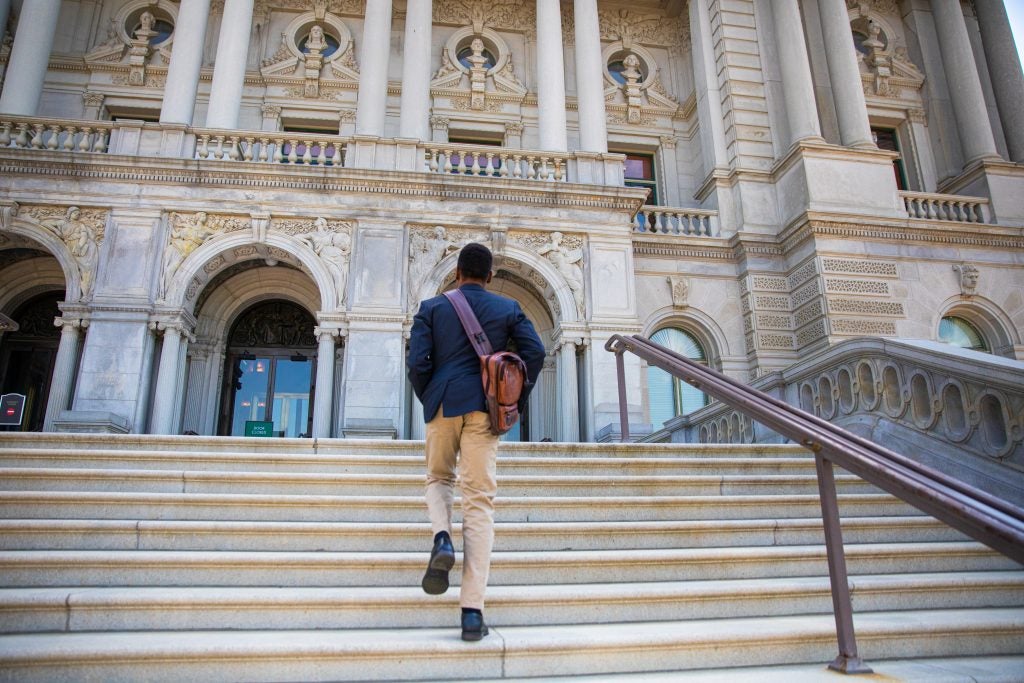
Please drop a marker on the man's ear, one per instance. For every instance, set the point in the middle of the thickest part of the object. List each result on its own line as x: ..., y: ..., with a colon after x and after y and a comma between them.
x: 458, y: 273
x: 490, y: 274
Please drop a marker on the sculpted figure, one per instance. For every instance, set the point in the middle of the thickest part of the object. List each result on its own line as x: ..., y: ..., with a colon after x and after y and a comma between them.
x: 147, y: 20
x: 968, y: 278
x: 186, y: 235
x: 568, y: 262
x: 316, y: 41
x: 425, y: 251
x: 333, y: 248
x: 82, y: 242
x: 680, y: 290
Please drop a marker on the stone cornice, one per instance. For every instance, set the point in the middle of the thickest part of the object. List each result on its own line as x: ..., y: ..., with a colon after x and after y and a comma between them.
x: 922, y: 232
x: 710, y: 249
x: 255, y: 175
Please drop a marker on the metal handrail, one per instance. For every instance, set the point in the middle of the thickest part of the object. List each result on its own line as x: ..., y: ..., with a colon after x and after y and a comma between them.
x: 990, y: 520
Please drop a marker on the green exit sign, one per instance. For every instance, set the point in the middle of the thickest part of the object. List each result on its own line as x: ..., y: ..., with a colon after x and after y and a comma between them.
x: 259, y: 428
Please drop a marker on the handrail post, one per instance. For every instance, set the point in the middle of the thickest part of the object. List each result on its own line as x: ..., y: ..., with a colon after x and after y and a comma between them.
x: 847, y: 661
x: 620, y: 372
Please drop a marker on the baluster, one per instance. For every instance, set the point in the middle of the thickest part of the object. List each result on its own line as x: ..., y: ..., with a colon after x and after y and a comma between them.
x: 517, y: 168
x: 475, y: 169
x: 704, y: 224
x: 278, y: 150
x: 83, y: 143
x: 69, y: 139
x: 51, y: 144
x: 448, y: 168
x: 307, y: 153
x: 22, y: 140
x: 264, y: 143
x: 674, y: 223
x: 462, y: 162
x: 542, y: 173
x: 5, y: 133
x: 321, y: 158
x: 100, y: 145
x: 218, y: 150
x: 503, y: 167
x: 432, y: 159
x: 247, y: 151
x: 559, y: 170
x: 962, y: 214
x: 531, y: 169
x: 489, y: 169
x: 203, y: 150
x: 37, y: 138
x: 933, y: 212
x: 906, y: 206
x: 293, y: 151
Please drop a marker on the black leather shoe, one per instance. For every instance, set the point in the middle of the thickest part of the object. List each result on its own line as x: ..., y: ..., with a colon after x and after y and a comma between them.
x: 473, y: 626
x: 442, y: 559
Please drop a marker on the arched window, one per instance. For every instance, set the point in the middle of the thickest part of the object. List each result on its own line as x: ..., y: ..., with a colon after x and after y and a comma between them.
x: 667, y: 395
x: 959, y: 332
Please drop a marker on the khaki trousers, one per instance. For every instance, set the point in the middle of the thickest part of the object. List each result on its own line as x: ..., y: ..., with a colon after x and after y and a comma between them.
x: 464, y: 442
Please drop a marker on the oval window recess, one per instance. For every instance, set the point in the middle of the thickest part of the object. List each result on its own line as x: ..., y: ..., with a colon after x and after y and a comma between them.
x: 845, y: 383
x: 866, y: 377
x: 891, y: 391
x: 828, y: 406
x: 953, y: 412
x: 993, y: 423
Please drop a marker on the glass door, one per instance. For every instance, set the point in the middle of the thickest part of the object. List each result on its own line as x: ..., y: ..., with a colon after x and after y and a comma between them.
x: 270, y: 388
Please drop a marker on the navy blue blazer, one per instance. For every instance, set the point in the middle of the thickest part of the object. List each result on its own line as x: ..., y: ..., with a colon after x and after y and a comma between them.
x: 443, y: 367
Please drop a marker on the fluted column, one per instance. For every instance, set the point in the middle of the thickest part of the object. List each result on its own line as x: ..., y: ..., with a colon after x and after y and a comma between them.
x: 229, y: 64
x: 186, y: 61
x: 550, y: 77
x: 166, y: 381
x: 797, y: 86
x: 324, y: 383
x: 844, y: 75
x: 373, y: 65
x: 568, y: 392
x: 964, y: 84
x: 30, y: 57
x: 63, y: 370
x: 1005, y: 70
x: 414, y: 121
x: 197, y: 386
x: 590, y: 78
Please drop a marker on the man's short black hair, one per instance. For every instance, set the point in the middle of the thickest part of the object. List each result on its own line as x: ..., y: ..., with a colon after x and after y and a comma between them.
x: 475, y: 261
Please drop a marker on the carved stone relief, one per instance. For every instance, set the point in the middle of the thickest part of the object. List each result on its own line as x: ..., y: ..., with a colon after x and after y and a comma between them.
x: 81, y: 230
x: 333, y: 244
x: 565, y: 253
x: 968, y: 278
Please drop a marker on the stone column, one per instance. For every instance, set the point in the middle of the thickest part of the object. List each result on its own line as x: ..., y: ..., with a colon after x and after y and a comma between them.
x: 590, y: 78
x: 797, y: 86
x: 324, y: 383
x: 229, y: 66
x: 415, y: 114
x: 550, y: 77
x: 196, y: 387
x: 30, y: 57
x: 1005, y: 70
x: 709, y: 98
x: 186, y: 60
x: 568, y: 392
x: 965, y: 93
x: 373, y: 63
x: 166, y: 381
x: 63, y: 371
x: 844, y: 75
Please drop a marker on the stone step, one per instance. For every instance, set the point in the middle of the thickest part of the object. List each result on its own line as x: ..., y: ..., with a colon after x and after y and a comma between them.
x: 20, y: 568
x: 510, y: 651
x: 994, y: 669
x: 292, y: 508
x: 76, y: 443
x: 797, y: 463
x: 218, y: 608
x: 287, y: 483
x: 90, y: 534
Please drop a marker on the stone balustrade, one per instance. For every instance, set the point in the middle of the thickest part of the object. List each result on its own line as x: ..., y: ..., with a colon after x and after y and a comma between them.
x: 496, y: 162
x: 946, y: 207
x: 56, y: 135
x: 665, y: 220
x: 960, y: 411
x: 270, y: 147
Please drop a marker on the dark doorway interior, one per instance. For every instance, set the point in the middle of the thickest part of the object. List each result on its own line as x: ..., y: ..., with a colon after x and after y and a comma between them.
x: 27, y: 357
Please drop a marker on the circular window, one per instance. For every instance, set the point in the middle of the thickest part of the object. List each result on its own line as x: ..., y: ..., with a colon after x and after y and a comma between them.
x: 329, y: 42
x: 866, y: 31
x: 959, y: 332
x: 153, y: 19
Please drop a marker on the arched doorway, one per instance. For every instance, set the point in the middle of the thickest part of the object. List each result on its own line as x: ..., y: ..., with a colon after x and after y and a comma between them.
x: 270, y: 371
x: 27, y: 357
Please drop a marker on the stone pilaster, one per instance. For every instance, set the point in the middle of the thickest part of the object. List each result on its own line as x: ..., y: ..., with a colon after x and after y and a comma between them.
x: 64, y: 369
x: 167, y: 379
x: 568, y: 392
x: 324, y: 399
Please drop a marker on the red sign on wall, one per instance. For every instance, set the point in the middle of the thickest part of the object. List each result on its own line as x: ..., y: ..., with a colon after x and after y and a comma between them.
x: 12, y: 409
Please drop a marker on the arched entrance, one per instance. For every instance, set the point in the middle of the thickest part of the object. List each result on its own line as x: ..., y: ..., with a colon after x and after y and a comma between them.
x: 270, y: 371
x: 27, y: 356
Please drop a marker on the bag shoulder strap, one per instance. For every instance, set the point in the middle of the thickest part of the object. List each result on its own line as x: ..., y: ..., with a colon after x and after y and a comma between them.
x: 477, y: 337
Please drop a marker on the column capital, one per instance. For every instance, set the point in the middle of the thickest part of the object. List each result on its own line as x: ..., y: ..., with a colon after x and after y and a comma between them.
x: 323, y: 334
x: 66, y: 323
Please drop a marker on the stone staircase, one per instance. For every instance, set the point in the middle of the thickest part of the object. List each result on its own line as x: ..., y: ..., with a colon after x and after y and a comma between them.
x: 174, y: 558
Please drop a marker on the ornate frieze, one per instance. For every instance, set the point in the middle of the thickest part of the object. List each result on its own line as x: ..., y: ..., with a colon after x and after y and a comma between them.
x: 508, y: 14
x: 859, y: 267
x: 631, y: 28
